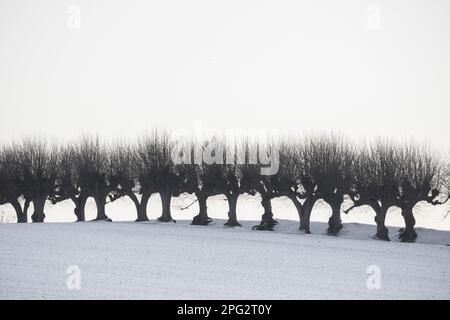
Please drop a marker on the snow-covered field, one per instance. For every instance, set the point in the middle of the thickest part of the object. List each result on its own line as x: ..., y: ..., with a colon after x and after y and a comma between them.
x: 178, y: 261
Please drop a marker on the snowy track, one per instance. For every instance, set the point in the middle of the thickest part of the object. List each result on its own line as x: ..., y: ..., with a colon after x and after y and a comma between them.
x: 179, y: 261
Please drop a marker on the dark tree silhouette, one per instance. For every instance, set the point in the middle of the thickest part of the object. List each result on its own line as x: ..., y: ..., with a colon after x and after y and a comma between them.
x: 92, y: 167
x: 326, y: 167
x: 123, y: 177
x: 214, y: 176
x: 204, y: 177
x: 294, y: 180
x: 231, y: 190
x: 193, y: 184
x: 253, y: 183
x: 195, y: 181
x: 157, y: 172
x: 224, y: 177
x: 9, y: 190
x: 330, y: 161
x: 37, y: 173
x: 143, y: 169
x: 267, y: 192
x: 265, y: 185
x: 419, y: 180
x: 376, y: 181
x: 69, y: 185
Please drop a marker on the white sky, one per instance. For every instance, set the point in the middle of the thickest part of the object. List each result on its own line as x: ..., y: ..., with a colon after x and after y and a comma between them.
x: 301, y: 65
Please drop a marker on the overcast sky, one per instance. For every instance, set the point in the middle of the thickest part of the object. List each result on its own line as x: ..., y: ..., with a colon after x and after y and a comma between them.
x: 117, y: 67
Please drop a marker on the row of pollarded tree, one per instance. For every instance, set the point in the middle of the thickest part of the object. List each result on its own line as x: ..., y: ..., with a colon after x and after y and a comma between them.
x: 380, y: 175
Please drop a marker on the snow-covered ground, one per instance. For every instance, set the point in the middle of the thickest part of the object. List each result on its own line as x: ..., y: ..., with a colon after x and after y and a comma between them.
x: 249, y: 208
x: 178, y: 261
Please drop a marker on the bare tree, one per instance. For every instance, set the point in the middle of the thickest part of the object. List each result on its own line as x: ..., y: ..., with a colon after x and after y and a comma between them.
x: 419, y: 180
x: 376, y: 181
x: 324, y: 167
x: 37, y: 168
x: 91, y: 165
x: 68, y: 184
x: 123, y: 178
x: 211, y: 181
x: 9, y: 178
x: 157, y: 173
x: 214, y: 176
x: 267, y: 186
x: 253, y: 183
x: 143, y: 168
x: 203, y: 176
x: 330, y: 162
x: 194, y: 175
x: 294, y: 179
x: 224, y: 177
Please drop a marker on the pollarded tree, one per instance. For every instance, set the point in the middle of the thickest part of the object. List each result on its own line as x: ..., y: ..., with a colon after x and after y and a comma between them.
x: 91, y: 166
x: 192, y: 184
x: 223, y: 176
x: 253, y: 180
x: 419, y: 180
x: 156, y: 172
x: 266, y: 181
x: 202, y: 185
x: 123, y: 177
x: 216, y: 174
x: 69, y: 185
x: 9, y: 190
x: 252, y: 183
x: 330, y: 162
x: 216, y: 179
x: 294, y: 180
x: 37, y: 167
x: 376, y: 181
x: 188, y: 159
x: 230, y: 187
x: 143, y: 169
x: 281, y: 183
x: 219, y: 169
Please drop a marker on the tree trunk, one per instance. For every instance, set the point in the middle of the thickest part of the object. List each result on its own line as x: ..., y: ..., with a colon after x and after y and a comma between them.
x: 232, y: 215
x: 335, y: 222
x: 21, y: 216
x: 409, y: 233
x: 80, y: 205
x: 202, y: 218
x: 38, y: 205
x: 299, y: 208
x: 26, y: 206
x: 380, y: 218
x: 267, y: 217
x: 305, y: 221
x: 304, y: 212
x: 141, y: 207
x: 100, y: 202
x: 166, y: 197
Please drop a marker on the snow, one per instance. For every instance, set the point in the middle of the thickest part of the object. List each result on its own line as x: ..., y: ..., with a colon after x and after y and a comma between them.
x: 154, y: 260
x: 249, y: 208
x: 151, y: 260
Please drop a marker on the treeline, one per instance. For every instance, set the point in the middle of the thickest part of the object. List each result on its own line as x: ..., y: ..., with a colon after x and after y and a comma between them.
x: 380, y: 175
